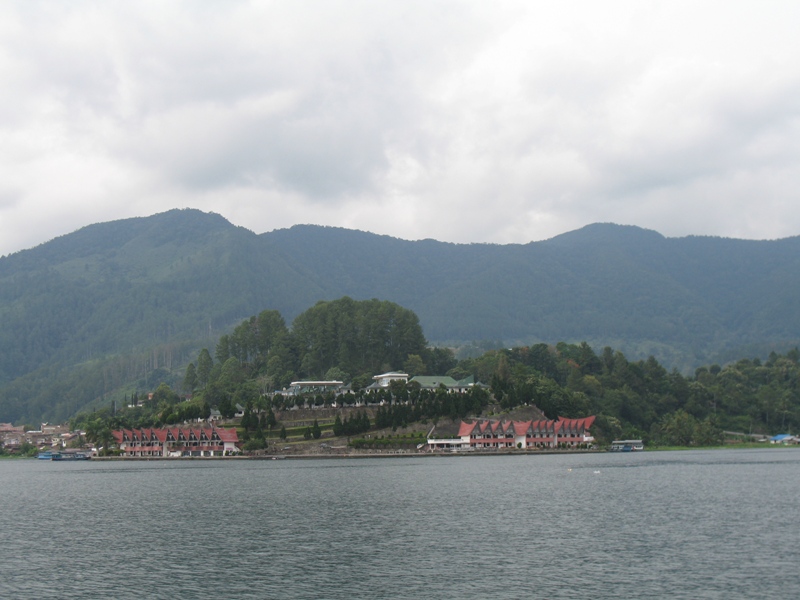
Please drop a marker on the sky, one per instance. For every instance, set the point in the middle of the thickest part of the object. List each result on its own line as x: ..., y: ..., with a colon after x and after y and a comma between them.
x: 502, y: 122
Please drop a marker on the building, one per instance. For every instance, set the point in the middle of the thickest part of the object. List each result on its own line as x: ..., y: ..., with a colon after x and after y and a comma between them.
x: 433, y: 382
x: 303, y: 388
x: 177, y: 441
x: 382, y: 381
x: 486, y: 434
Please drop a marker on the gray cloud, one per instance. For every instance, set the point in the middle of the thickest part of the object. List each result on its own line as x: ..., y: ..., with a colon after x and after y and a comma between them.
x: 461, y: 121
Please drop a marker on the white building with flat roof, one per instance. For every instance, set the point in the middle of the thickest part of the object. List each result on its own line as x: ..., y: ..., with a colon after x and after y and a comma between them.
x: 383, y: 380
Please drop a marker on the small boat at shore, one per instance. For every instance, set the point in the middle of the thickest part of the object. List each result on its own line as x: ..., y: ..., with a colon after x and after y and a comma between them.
x: 50, y: 455
x: 627, y: 446
x: 71, y: 456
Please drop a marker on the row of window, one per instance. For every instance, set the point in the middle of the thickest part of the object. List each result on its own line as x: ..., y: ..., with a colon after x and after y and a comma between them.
x: 536, y: 434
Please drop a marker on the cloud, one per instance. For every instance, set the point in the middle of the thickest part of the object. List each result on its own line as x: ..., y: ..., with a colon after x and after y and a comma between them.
x: 461, y: 121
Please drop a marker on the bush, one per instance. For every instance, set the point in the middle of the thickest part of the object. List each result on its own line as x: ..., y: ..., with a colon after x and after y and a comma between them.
x: 254, y: 444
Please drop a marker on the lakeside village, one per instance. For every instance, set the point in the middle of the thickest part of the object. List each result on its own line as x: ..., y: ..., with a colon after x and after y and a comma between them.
x: 317, y: 429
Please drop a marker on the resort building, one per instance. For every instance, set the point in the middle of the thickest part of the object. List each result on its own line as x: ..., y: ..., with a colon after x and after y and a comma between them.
x: 302, y: 388
x: 433, y: 382
x: 383, y: 380
x: 177, y: 441
x: 486, y: 434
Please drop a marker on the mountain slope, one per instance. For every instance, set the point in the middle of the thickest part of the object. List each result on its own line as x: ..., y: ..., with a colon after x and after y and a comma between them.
x: 131, y: 301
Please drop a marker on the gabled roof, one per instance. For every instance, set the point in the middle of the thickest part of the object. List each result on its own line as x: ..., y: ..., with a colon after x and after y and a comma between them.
x: 434, y: 381
x: 521, y: 427
x: 466, y: 428
x: 578, y: 425
x: 546, y: 427
x: 391, y: 374
x: 228, y: 435
x: 177, y: 433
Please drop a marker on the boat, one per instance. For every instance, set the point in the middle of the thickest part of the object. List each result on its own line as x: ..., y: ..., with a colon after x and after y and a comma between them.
x: 50, y: 455
x: 71, y: 456
x: 627, y: 446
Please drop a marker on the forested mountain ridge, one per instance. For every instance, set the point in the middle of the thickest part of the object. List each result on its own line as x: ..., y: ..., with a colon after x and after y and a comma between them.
x: 132, y: 300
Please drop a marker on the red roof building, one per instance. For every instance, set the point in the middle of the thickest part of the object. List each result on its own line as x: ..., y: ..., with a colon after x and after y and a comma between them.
x: 177, y: 441
x: 486, y: 434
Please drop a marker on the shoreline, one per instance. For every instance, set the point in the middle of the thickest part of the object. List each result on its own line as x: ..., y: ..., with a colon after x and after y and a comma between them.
x: 365, y: 455
x: 413, y: 454
x: 345, y: 456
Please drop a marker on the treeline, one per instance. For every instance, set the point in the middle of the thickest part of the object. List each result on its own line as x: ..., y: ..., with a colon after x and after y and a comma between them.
x: 80, y: 315
x: 340, y: 339
x: 643, y: 399
x: 355, y: 424
x: 351, y: 341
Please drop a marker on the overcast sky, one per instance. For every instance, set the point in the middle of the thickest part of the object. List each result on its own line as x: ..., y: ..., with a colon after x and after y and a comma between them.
x: 460, y: 121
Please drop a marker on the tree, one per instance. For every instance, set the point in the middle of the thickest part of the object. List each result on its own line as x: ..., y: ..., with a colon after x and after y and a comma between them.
x: 438, y: 360
x: 190, y: 379
x: 356, y: 336
x: 336, y: 374
x: 271, y: 421
x: 223, y: 350
x: 270, y: 328
x: 226, y: 407
x: 249, y: 419
x: 254, y: 444
x: 397, y: 387
x: 283, y: 432
x: 414, y: 365
x: 231, y: 374
x: 165, y: 395
x: 707, y: 433
x: 316, y: 432
x: 204, y: 366
x: 337, y: 426
x: 678, y: 428
x: 99, y: 433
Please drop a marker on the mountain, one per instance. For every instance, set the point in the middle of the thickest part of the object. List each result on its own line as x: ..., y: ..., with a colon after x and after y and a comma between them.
x: 129, y: 303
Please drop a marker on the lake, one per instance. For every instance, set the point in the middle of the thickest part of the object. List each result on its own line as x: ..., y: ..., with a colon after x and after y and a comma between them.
x: 693, y: 524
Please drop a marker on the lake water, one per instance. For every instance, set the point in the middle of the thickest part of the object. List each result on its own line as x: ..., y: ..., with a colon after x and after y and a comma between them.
x: 697, y: 524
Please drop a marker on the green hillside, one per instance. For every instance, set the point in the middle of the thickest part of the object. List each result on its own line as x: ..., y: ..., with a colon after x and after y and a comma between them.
x: 125, y: 305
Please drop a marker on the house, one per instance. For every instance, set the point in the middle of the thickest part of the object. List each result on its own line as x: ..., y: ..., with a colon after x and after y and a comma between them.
x: 177, y: 441
x: 302, y: 388
x: 11, y: 436
x: 488, y: 434
x: 382, y: 381
x: 432, y: 382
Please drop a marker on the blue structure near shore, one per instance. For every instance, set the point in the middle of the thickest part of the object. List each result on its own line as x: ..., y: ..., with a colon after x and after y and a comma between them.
x: 49, y: 455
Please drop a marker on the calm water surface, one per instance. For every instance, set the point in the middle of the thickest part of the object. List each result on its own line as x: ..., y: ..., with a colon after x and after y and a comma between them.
x: 699, y: 524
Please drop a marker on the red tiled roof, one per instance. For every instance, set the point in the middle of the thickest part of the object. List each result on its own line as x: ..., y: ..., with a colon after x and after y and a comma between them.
x: 146, y: 435
x: 562, y: 426
x: 465, y: 428
x: 228, y: 435
x: 521, y: 427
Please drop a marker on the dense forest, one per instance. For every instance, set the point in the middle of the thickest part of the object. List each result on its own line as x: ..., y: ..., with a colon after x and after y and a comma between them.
x: 352, y: 340
x: 114, y: 307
